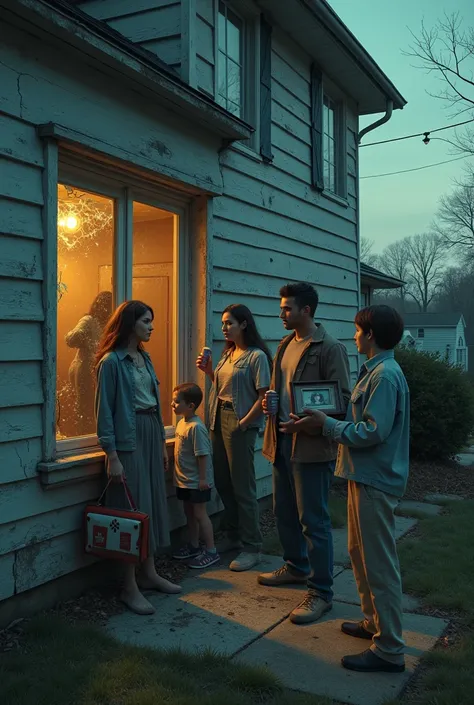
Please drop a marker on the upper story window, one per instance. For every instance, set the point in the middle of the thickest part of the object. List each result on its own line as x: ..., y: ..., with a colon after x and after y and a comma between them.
x: 330, y: 145
x: 421, y: 332
x: 460, y: 343
x: 230, y: 63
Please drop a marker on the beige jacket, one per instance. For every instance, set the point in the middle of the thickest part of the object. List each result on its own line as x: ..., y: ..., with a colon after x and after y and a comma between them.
x: 323, y: 358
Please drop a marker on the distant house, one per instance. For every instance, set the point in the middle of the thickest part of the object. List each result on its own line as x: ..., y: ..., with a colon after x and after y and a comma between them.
x: 372, y: 279
x: 444, y: 333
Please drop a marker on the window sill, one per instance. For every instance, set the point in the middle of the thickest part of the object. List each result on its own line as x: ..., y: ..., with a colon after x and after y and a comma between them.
x: 336, y: 199
x: 247, y: 152
x: 74, y: 469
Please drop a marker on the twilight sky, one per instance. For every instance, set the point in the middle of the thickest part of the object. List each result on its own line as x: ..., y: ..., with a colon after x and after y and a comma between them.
x: 395, y: 206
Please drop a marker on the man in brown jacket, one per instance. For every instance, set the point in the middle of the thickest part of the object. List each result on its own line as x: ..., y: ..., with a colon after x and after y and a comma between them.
x: 303, y: 464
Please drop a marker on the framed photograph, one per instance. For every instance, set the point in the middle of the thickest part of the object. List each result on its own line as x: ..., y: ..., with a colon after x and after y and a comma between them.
x: 323, y: 395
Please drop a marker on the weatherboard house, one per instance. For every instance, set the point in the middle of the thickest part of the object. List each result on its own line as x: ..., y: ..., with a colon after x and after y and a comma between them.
x: 191, y: 154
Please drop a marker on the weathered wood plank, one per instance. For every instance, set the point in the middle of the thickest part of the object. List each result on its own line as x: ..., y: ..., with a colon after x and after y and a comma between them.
x: 270, y: 306
x: 20, y: 341
x: 205, y: 8
x: 262, y: 243
x: 19, y: 141
x: 152, y: 24
x: 205, y: 76
x: 291, y: 126
x: 20, y: 182
x: 20, y: 500
x: 7, y: 579
x: 294, y: 83
x: 20, y: 219
x: 281, y: 96
x: 20, y: 384
x: 19, y: 460
x: 286, y: 195
x: 237, y: 283
x: 20, y: 300
x: 10, y: 100
x: 291, y: 165
x: 291, y: 52
x: 43, y: 562
x: 20, y: 423
x: 105, y: 9
x: 167, y: 48
x: 21, y: 258
x: 36, y: 529
x: 204, y: 41
x: 261, y: 220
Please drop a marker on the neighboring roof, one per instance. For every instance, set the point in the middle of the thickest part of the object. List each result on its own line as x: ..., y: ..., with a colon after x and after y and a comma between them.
x: 435, y: 320
x: 377, y: 279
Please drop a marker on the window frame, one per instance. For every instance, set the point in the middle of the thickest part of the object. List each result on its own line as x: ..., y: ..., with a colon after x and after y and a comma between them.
x: 126, y: 188
x: 420, y: 333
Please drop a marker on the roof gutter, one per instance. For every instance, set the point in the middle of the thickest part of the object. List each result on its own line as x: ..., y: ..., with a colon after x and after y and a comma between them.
x: 385, y: 118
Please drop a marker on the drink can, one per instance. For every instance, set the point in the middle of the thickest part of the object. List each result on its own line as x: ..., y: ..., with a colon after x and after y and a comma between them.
x: 205, y: 354
x: 272, y: 399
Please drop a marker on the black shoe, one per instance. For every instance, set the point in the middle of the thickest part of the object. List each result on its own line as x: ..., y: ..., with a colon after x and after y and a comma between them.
x: 356, y: 629
x: 368, y: 662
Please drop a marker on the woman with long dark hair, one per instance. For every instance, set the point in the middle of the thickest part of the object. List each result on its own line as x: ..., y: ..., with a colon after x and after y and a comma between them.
x: 239, y: 383
x: 85, y: 338
x: 131, y: 433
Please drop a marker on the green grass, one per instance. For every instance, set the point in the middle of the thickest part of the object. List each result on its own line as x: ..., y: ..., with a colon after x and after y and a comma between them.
x: 65, y: 665
x: 438, y: 566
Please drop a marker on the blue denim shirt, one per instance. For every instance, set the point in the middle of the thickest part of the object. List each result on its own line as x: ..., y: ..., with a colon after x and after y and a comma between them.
x: 251, y: 372
x: 115, y: 401
x: 375, y: 437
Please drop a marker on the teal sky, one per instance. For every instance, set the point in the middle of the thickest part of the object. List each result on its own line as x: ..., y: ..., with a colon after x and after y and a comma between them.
x: 395, y: 206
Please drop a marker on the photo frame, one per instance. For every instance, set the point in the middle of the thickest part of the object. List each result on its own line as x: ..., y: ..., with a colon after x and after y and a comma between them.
x: 323, y: 395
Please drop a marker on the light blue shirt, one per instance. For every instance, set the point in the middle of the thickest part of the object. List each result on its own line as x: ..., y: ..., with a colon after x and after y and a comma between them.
x: 374, y: 439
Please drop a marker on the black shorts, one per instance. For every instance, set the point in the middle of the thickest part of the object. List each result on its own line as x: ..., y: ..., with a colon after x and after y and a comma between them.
x: 194, y: 496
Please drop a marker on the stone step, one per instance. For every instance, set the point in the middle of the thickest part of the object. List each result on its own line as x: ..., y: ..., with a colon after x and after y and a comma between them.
x: 419, y: 508
x: 345, y: 590
x: 341, y: 555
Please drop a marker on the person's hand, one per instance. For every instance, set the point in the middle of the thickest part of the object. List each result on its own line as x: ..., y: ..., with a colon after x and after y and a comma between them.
x: 310, y: 422
x: 166, y: 460
x: 203, y: 485
x: 264, y: 406
x: 115, y: 470
x: 208, y: 367
x: 243, y: 427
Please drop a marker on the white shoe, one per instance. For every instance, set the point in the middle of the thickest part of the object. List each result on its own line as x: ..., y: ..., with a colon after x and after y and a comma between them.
x: 245, y: 561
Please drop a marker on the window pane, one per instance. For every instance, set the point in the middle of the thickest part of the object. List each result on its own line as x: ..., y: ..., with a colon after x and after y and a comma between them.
x: 234, y: 35
x: 153, y: 267
x: 221, y: 33
x: 222, y: 76
x: 85, y: 256
x: 233, y: 82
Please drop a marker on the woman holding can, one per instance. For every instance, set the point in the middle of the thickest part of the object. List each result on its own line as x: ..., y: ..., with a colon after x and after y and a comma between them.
x: 239, y: 382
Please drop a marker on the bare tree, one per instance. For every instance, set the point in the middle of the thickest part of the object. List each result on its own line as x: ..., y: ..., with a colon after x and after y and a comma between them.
x: 447, y: 49
x: 455, y: 219
x: 367, y: 254
x: 418, y: 261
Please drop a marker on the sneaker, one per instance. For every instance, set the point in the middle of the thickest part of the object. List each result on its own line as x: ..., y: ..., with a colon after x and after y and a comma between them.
x: 281, y: 576
x: 310, y: 610
x: 204, y: 560
x: 185, y: 552
x: 229, y: 545
x: 245, y: 561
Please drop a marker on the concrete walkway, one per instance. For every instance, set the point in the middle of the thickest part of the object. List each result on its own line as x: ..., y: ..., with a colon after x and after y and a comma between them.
x: 233, y: 615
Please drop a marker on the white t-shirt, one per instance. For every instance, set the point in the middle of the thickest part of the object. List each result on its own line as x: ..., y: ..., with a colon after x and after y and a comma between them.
x: 192, y: 441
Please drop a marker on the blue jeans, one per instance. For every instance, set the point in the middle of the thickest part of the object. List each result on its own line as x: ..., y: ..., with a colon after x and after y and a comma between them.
x: 300, y: 504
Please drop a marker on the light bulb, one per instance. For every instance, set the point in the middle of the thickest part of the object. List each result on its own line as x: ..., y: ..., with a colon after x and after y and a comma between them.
x: 71, y: 222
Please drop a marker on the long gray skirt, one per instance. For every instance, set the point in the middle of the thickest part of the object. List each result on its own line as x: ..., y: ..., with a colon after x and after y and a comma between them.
x: 145, y: 477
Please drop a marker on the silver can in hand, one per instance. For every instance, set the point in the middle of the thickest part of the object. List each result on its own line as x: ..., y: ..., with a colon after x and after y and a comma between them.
x: 205, y: 355
x: 272, y: 399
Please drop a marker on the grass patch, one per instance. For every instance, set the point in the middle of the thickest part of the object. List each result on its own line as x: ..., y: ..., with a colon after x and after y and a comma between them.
x: 438, y: 565
x: 65, y: 665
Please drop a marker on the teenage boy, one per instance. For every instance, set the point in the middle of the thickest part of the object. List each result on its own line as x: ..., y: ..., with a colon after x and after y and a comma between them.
x: 193, y: 476
x: 373, y: 456
x: 303, y: 464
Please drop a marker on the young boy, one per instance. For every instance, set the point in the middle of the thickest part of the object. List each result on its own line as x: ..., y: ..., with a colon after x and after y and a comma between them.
x: 193, y: 476
x: 373, y: 456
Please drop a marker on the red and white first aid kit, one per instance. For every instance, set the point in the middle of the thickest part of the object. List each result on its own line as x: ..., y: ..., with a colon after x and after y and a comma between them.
x: 117, y: 534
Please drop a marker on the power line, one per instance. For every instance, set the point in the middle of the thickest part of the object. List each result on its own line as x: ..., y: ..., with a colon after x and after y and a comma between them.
x: 418, y: 134
x: 418, y: 168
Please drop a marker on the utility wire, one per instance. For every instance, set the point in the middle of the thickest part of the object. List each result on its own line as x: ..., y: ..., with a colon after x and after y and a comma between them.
x: 418, y: 168
x: 418, y: 134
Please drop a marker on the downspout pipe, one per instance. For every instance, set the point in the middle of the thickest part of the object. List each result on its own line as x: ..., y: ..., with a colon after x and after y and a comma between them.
x: 382, y: 121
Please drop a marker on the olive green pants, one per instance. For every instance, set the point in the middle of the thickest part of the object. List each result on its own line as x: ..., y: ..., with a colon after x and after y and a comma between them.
x: 234, y: 473
x: 373, y: 552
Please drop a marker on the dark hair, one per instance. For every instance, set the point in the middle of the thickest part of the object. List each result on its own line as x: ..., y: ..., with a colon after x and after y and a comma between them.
x: 120, y: 327
x: 190, y: 393
x: 385, y: 323
x: 252, y: 337
x: 303, y: 293
x: 101, y: 307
